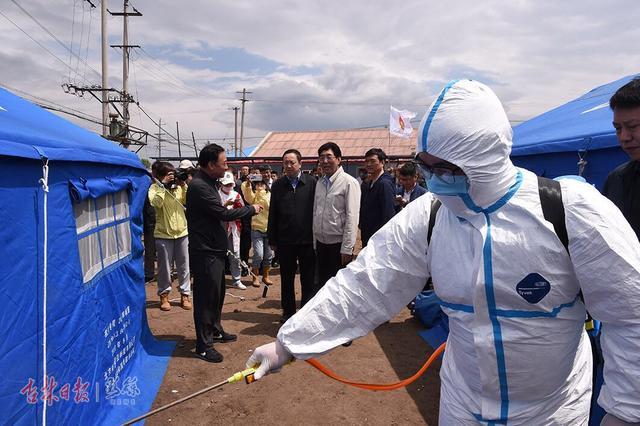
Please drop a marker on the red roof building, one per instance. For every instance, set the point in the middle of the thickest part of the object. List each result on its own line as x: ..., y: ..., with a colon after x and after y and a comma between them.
x: 353, y: 143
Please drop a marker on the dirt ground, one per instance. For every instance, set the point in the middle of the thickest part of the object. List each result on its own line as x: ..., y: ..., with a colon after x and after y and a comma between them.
x: 299, y: 394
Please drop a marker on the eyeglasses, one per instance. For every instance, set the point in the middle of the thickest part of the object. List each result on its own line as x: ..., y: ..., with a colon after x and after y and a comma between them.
x: 327, y: 157
x: 444, y: 173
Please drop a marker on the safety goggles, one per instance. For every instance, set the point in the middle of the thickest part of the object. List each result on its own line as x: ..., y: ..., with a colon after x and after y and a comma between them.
x: 444, y: 173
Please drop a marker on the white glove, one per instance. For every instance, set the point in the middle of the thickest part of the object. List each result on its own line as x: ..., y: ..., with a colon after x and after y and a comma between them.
x: 610, y: 420
x: 268, y: 358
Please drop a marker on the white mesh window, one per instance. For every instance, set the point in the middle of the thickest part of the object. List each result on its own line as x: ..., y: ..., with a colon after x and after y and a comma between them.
x: 109, y: 246
x: 105, y: 209
x: 106, y: 236
x: 122, y: 204
x: 124, y: 239
x: 85, y: 216
x: 89, y: 256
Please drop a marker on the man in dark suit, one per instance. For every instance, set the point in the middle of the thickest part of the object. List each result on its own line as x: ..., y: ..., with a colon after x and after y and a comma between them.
x: 623, y: 184
x: 409, y: 189
x: 377, y: 198
x: 208, y: 244
x: 290, y: 229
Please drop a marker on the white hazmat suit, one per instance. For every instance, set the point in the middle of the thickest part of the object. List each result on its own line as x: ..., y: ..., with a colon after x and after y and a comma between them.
x: 517, y: 351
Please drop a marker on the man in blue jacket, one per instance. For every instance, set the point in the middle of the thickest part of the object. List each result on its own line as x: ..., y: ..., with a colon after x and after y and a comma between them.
x: 409, y: 189
x: 377, y: 202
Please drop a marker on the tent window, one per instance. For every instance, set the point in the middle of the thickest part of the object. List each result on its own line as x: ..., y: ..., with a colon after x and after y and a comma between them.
x: 103, y: 226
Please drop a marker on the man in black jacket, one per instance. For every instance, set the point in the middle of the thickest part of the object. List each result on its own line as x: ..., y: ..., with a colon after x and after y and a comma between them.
x: 377, y: 202
x: 208, y: 249
x: 623, y: 184
x: 290, y: 229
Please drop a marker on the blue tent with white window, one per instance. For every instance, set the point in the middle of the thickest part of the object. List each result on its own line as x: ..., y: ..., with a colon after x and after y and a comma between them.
x: 75, y: 347
x: 576, y: 138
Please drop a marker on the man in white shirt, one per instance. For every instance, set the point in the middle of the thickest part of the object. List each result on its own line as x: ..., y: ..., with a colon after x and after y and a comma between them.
x: 335, y: 214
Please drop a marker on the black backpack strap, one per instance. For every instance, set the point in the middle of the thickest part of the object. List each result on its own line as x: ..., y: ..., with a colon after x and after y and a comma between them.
x: 552, y: 207
x: 435, y: 205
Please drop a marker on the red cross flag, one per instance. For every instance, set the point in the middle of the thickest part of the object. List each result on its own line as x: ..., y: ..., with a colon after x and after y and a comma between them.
x: 400, y: 122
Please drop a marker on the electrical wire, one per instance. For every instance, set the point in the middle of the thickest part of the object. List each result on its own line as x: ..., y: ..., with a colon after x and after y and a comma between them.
x: 73, y: 24
x: 38, y: 43
x: 50, y: 34
x: 86, y: 52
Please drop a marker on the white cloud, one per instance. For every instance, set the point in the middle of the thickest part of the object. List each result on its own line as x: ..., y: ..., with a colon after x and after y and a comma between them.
x: 357, y: 56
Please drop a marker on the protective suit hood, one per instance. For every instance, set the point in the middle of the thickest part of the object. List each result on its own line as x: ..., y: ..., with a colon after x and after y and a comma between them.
x: 467, y: 126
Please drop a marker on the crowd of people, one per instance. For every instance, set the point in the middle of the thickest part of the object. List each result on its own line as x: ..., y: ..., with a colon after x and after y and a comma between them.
x: 305, y: 222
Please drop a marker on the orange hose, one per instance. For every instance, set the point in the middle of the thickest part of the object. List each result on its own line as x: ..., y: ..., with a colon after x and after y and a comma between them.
x: 386, y: 387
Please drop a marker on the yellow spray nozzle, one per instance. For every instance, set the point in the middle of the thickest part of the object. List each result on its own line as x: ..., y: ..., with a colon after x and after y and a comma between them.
x: 247, y: 375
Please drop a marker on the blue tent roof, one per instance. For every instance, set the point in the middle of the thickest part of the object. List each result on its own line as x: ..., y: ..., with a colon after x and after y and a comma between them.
x: 581, y: 124
x: 29, y: 131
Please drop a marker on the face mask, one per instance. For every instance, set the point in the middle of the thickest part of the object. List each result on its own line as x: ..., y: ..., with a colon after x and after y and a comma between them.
x: 459, y: 185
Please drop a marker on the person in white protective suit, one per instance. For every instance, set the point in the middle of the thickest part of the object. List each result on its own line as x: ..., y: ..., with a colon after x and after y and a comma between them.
x: 517, y: 352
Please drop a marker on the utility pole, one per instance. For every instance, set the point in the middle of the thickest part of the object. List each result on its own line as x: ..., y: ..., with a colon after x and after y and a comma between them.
x: 235, y: 133
x: 195, y: 149
x: 105, y: 67
x: 178, y: 132
x: 243, y: 100
x: 160, y: 138
x: 125, y: 58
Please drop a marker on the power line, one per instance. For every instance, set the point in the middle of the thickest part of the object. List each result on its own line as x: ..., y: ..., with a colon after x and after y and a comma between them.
x: 37, y: 42
x: 53, y: 36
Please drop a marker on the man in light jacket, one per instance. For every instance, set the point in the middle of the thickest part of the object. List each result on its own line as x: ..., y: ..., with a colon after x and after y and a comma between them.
x: 335, y: 214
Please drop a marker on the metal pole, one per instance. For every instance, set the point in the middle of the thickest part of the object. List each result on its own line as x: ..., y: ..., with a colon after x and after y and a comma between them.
x: 164, y: 407
x: 178, y: 132
x: 235, y: 134
x: 105, y: 94
x: 159, y: 138
x: 194, y: 144
x: 125, y: 66
x: 243, y: 100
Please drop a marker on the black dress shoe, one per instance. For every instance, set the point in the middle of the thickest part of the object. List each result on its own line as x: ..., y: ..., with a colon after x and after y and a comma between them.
x: 210, y: 355
x: 225, y: 338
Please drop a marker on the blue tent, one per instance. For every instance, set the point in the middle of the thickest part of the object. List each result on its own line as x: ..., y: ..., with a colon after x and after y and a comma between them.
x: 75, y: 347
x: 576, y: 138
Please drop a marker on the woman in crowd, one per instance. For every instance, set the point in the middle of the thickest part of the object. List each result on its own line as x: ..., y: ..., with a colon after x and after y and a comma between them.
x: 257, y: 192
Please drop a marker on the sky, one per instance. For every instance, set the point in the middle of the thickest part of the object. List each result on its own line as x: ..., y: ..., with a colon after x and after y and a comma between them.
x: 312, y: 65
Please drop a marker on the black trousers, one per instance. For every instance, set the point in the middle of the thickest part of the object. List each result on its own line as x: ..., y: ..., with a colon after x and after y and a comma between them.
x: 290, y: 257
x: 245, y: 240
x: 208, y: 297
x: 149, y: 255
x: 329, y: 261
